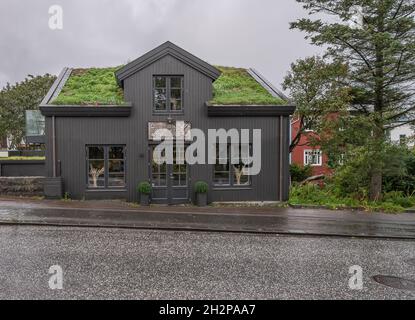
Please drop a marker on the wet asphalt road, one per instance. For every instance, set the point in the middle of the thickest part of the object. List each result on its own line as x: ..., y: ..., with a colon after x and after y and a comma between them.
x: 140, y: 264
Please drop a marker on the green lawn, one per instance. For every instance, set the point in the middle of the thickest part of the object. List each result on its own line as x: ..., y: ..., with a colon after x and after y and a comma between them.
x: 236, y: 86
x: 98, y: 86
x: 95, y: 86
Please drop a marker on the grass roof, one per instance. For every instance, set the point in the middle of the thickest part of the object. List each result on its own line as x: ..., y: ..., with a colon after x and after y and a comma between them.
x: 95, y: 86
x: 98, y: 86
x: 237, y: 86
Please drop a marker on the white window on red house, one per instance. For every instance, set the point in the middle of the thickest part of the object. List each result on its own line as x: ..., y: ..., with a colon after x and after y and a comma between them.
x: 307, y: 126
x: 313, y: 157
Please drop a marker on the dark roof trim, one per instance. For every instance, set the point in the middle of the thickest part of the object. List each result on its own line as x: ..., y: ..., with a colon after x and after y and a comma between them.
x: 57, y: 86
x: 249, y: 111
x: 267, y: 85
x: 86, y: 111
x: 166, y: 48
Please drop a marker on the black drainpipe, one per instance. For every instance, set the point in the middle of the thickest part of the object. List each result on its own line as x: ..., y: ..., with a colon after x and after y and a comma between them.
x: 281, y: 158
x: 54, y: 146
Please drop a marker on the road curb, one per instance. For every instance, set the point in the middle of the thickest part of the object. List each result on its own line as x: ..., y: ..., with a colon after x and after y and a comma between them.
x: 362, y: 209
x: 202, y: 229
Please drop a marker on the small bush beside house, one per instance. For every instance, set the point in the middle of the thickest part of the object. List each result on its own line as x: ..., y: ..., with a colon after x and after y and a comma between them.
x: 144, y: 188
x: 201, y: 189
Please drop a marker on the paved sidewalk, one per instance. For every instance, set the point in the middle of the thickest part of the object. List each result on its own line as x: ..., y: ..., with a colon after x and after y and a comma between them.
x: 230, y: 219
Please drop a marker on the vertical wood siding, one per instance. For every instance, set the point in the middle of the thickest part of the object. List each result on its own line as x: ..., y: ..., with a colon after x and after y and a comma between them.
x: 74, y: 133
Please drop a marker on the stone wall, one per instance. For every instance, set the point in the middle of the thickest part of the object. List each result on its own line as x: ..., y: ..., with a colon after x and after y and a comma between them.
x: 21, y: 186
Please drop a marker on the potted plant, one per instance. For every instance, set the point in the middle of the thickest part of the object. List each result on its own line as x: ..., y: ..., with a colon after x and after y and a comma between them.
x: 201, y: 188
x: 144, y: 188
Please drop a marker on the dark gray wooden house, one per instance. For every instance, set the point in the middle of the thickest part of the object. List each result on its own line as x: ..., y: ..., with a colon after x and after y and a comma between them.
x: 99, y: 120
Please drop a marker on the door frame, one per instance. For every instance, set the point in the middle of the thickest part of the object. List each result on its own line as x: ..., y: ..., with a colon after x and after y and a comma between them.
x: 169, y: 200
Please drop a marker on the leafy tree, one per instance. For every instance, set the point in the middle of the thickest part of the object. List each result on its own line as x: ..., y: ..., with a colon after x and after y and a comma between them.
x: 318, y: 89
x: 377, y: 39
x: 16, y: 99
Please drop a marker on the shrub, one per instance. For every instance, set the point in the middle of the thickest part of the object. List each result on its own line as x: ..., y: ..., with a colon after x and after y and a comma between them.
x: 201, y: 187
x: 352, y: 179
x: 400, y: 173
x: 328, y: 196
x: 144, y: 187
x: 300, y: 173
x: 398, y: 198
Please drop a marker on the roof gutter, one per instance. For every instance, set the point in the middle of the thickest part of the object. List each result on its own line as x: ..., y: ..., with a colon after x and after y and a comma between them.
x: 86, y: 111
x: 249, y: 110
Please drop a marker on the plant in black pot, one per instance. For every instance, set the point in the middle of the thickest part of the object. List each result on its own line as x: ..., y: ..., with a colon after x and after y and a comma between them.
x: 201, y: 188
x: 144, y: 188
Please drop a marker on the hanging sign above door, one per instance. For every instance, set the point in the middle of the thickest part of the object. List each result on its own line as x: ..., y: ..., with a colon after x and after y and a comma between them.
x: 179, y: 130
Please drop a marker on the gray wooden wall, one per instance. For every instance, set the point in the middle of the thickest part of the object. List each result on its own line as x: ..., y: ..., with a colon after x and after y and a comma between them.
x: 73, y: 133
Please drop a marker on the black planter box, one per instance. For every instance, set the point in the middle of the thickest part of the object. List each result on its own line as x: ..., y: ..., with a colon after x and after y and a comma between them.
x: 53, y: 188
x: 201, y: 199
x: 144, y: 199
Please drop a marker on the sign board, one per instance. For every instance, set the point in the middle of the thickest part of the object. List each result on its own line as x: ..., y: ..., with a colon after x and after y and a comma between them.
x: 179, y: 130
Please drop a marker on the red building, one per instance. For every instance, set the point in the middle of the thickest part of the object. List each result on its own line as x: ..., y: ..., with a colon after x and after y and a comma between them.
x: 307, y: 154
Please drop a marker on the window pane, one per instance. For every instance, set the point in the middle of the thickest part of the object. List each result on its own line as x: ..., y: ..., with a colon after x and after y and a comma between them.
x: 96, y: 152
x: 160, y: 82
x: 175, y: 104
x: 221, y: 178
x: 159, y: 180
x: 179, y: 180
x: 175, y: 180
x: 160, y: 99
x: 175, y: 99
x: 176, y: 82
x: 240, y: 176
x: 116, y: 153
x: 312, y: 157
x: 222, y: 171
x: 222, y: 174
x: 176, y: 94
x: 159, y: 174
x: 116, y: 166
x: 116, y: 180
x: 35, y: 123
x: 96, y: 174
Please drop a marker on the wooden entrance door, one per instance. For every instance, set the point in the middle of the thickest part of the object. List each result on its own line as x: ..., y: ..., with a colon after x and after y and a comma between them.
x: 170, y: 182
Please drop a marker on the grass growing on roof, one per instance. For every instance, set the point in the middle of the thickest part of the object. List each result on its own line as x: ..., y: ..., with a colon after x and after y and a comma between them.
x: 236, y: 86
x: 95, y: 86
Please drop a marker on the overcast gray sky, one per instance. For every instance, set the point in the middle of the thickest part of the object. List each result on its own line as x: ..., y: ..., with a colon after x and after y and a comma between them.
x: 100, y: 33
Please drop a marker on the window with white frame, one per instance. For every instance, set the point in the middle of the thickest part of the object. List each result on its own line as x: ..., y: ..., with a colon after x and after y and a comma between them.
x: 307, y: 125
x: 312, y: 157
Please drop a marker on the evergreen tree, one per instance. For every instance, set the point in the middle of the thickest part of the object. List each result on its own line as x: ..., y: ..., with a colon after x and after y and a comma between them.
x: 377, y: 40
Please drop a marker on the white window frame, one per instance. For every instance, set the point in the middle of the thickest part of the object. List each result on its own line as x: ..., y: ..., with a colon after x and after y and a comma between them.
x: 311, y: 152
x: 305, y: 124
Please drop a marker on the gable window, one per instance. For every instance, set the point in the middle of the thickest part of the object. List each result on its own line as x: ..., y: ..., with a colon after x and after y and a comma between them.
x: 105, y: 166
x: 312, y: 157
x: 168, y: 93
x: 228, y: 174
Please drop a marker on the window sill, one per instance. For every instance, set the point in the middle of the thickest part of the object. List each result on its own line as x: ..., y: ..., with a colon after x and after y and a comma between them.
x: 106, y: 190
x: 231, y: 188
x: 168, y: 113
